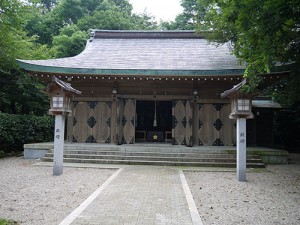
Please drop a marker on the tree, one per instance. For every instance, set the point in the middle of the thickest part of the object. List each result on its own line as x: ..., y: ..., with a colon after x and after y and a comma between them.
x: 45, y: 5
x: 106, y: 14
x: 262, y: 32
x: 70, y: 42
x: 65, y: 26
x: 18, y: 93
x: 265, y: 34
x: 187, y: 20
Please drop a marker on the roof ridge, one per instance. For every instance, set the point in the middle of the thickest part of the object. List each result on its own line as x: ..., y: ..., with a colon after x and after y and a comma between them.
x: 144, y: 34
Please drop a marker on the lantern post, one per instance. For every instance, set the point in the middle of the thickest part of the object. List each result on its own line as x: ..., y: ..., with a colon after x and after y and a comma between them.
x: 60, y: 98
x: 241, y: 109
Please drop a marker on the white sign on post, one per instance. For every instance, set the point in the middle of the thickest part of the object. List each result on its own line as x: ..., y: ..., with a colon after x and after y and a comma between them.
x: 58, y: 145
x: 241, y: 157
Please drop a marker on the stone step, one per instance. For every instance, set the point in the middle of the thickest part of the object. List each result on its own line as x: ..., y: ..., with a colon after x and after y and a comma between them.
x: 197, y: 158
x: 158, y: 163
x: 162, y: 157
x: 148, y: 148
x: 268, y: 155
x: 150, y: 154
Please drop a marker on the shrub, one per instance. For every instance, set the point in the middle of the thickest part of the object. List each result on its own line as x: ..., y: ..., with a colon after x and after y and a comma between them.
x: 8, y: 222
x: 17, y: 130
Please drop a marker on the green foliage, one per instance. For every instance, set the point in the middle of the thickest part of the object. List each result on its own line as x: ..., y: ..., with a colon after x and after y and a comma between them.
x: 253, y: 82
x: 187, y: 20
x: 8, y: 222
x: 110, y: 19
x: 17, y: 130
x: 286, y: 92
x: 143, y: 21
x: 64, y: 27
x: 262, y: 32
x: 70, y: 42
x: 14, y: 43
x: 20, y: 94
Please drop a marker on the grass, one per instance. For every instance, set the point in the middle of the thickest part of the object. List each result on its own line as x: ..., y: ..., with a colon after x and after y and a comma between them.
x: 8, y: 222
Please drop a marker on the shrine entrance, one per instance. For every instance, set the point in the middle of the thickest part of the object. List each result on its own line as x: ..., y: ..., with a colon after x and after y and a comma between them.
x: 153, y: 121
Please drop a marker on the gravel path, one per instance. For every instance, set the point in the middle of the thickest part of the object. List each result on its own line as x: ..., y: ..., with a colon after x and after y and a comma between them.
x: 32, y: 196
x: 268, y: 198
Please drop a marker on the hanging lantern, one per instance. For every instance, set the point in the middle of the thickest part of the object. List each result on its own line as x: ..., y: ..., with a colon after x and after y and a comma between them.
x: 60, y: 96
x: 241, y: 104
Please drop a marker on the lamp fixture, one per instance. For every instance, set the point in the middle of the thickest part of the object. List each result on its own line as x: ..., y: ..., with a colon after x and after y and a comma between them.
x: 114, y: 90
x: 195, y: 92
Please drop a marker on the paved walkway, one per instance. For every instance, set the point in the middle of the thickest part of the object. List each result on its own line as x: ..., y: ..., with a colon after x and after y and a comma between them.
x: 139, y: 195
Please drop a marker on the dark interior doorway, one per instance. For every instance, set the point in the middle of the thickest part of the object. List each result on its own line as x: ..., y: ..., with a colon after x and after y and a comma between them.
x: 146, y: 131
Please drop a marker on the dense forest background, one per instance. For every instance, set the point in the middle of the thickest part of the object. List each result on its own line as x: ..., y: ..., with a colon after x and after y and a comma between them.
x: 261, y: 32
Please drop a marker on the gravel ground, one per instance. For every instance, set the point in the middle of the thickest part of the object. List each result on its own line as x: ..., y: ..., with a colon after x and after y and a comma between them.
x: 267, y: 198
x: 31, y: 195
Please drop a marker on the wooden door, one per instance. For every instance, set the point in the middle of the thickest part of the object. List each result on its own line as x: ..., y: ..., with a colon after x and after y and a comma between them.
x: 228, y: 130
x: 207, y: 133
x: 189, y: 123
x: 214, y: 126
x: 128, y: 121
x: 81, y: 129
x: 92, y: 122
x: 119, y: 126
x: 182, y: 125
x: 102, y: 115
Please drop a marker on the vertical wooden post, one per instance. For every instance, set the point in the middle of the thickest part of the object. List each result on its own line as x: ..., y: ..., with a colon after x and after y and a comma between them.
x: 59, y: 131
x: 114, y: 125
x: 241, y: 157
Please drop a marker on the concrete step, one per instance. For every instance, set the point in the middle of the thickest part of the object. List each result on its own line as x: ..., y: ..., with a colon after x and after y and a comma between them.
x: 149, y: 154
x: 158, y: 163
x: 153, y: 158
x: 268, y: 155
x: 197, y: 158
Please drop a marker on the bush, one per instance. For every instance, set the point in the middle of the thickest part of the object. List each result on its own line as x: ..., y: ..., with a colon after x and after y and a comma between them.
x: 17, y: 130
x: 8, y: 222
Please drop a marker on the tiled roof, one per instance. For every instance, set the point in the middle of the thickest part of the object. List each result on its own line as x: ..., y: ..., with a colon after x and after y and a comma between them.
x: 64, y: 85
x: 132, y: 50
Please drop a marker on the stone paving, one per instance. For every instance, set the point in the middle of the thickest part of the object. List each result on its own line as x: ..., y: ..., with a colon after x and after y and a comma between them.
x: 138, y: 195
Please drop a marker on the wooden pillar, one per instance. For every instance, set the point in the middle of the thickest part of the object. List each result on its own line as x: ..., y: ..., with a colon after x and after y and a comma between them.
x: 70, y: 124
x: 113, y: 131
x: 195, y: 124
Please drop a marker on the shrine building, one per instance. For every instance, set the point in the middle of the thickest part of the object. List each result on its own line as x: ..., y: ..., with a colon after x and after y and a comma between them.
x: 154, y: 86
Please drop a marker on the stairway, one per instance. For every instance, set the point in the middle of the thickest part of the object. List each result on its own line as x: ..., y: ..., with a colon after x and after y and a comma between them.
x: 153, y: 155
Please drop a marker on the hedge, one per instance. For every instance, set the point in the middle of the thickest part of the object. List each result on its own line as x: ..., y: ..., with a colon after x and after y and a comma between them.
x: 17, y: 130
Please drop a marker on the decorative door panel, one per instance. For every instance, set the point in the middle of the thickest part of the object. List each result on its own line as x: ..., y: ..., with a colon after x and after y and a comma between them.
x: 81, y: 129
x: 179, y: 122
x: 119, y: 127
x: 189, y: 123
x: 92, y: 122
x: 214, y: 126
x: 228, y: 131
x: 207, y: 117
x: 128, y: 121
x: 102, y: 114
